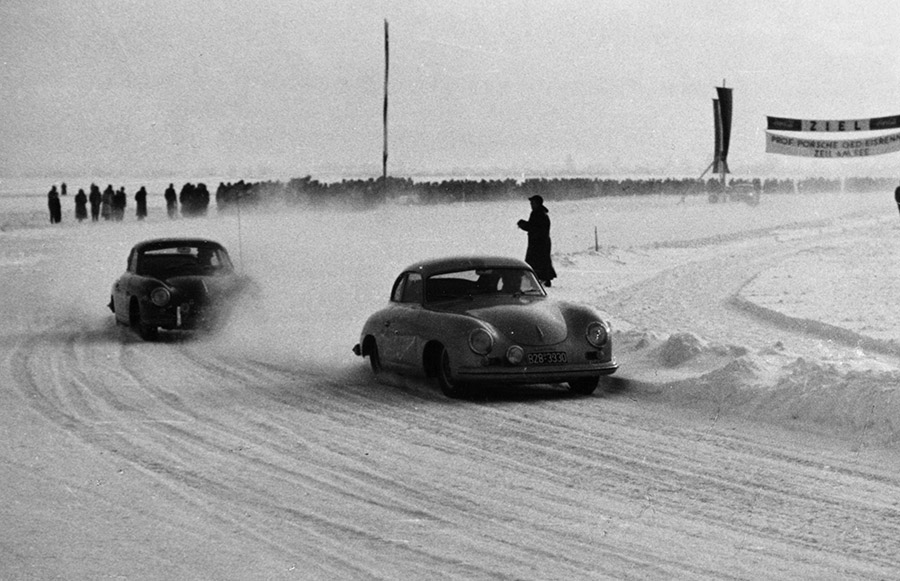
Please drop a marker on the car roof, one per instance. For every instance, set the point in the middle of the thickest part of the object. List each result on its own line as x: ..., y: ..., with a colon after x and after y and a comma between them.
x: 157, y: 243
x: 452, y: 263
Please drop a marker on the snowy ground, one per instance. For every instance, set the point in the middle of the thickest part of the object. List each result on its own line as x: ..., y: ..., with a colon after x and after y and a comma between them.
x: 749, y: 432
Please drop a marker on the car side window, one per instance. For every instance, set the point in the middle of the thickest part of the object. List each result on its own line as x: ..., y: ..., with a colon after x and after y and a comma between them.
x: 223, y: 262
x: 408, y: 288
x: 132, y: 261
x: 412, y: 290
x: 397, y: 294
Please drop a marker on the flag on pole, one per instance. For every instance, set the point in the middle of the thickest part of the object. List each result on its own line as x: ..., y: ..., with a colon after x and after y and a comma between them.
x: 722, y: 109
x: 717, y: 152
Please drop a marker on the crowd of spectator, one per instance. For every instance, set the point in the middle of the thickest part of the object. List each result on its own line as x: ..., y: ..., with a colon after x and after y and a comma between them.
x: 110, y: 205
x: 311, y: 192
x: 194, y: 199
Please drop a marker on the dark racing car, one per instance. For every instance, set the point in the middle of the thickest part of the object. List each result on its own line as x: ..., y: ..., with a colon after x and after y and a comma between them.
x: 176, y: 283
x: 485, y: 320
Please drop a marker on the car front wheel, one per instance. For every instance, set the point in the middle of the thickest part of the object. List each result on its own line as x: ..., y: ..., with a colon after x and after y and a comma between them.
x: 145, y: 331
x: 584, y: 385
x: 450, y: 386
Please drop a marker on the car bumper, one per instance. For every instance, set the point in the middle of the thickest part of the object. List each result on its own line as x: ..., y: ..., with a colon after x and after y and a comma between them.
x: 535, y: 374
x: 179, y: 317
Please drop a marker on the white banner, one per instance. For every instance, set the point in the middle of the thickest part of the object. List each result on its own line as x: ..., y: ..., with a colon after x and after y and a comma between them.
x: 832, y: 148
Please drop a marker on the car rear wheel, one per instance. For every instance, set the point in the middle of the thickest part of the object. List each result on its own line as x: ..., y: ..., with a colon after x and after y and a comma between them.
x: 584, y: 385
x: 450, y: 386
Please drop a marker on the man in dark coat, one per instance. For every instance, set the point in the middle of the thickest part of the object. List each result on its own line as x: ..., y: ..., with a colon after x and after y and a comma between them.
x: 54, y: 206
x: 187, y: 199
x: 80, y: 205
x: 171, y: 201
x: 106, y: 202
x: 897, y: 197
x: 120, y: 200
x: 140, y: 200
x: 95, y: 198
x: 202, y: 199
x: 538, y: 253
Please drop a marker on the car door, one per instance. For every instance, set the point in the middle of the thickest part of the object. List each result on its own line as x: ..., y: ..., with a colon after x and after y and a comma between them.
x: 399, y: 336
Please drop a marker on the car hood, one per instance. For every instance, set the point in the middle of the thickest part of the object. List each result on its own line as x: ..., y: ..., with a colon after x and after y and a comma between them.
x: 523, y: 321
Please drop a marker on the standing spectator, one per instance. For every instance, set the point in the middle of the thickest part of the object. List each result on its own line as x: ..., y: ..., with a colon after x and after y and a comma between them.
x: 81, y: 205
x: 120, y: 200
x: 106, y: 202
x: 171, y: 201
x: 202, y: 200
x: 186, y: 199
x: 140, y: 200
x: 54, y: 206
x: 897, y: 197
x: 194, y: 200
x: 220, y: 197
x: 95, y: 199
x: 538, y: 253
x: 62, y: 189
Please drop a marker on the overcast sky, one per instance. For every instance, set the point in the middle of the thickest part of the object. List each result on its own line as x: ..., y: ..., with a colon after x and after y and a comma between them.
x: 295, y: 87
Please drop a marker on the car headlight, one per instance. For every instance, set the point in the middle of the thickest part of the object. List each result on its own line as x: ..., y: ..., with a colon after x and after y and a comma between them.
x: 481, y: 342
x: 160, y: 296
x: 597, y: 334
x: 515, y: 354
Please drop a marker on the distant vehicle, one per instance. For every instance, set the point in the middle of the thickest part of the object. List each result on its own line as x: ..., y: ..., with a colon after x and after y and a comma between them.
x: 176, y: 283
x: 485, y: 320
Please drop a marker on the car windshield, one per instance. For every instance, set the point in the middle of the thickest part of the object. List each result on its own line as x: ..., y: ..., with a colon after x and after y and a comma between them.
x: 465, y: 284
x: 184, y: 261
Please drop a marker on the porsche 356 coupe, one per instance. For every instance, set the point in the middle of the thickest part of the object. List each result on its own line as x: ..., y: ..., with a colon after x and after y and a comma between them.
x: 485, y: 320
x: 175, y: 284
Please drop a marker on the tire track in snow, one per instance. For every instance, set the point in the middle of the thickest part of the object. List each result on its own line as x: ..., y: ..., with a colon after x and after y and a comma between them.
x: 163, y: 445
x: 351, y: 478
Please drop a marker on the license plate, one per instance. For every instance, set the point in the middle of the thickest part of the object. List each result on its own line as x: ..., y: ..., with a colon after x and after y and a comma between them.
x: 550, y: 358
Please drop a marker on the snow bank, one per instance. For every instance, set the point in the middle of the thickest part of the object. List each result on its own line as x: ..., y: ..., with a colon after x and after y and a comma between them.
x: 769, y: 385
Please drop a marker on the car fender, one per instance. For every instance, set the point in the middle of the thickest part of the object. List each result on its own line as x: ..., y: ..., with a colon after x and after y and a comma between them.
x: 578, y: 315
x: 452, y: 331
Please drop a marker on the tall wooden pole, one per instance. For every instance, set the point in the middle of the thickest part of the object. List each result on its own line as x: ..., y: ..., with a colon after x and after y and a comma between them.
x: 722, y: 166
x: 384, y: 156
